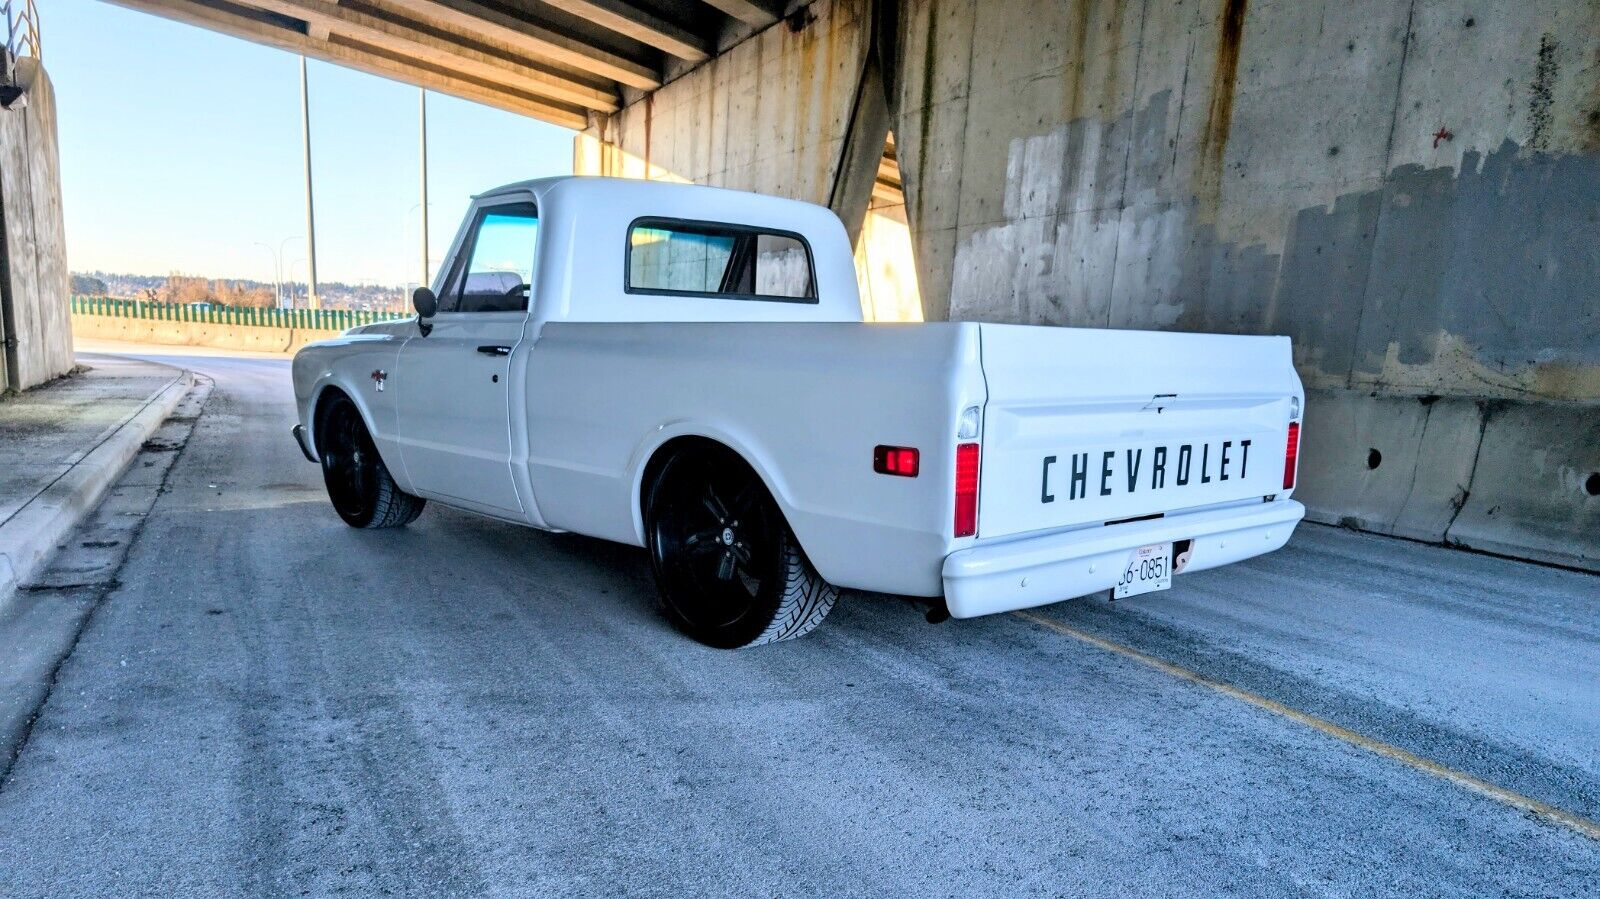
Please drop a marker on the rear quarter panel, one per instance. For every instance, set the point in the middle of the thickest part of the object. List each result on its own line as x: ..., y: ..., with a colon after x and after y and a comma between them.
x: 803, y: 403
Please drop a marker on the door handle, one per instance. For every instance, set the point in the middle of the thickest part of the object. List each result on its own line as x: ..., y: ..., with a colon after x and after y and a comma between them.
x: 495, y: 350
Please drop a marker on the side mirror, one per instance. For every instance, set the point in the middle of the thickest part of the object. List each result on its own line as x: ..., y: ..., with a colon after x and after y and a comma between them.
x: 423, y: 300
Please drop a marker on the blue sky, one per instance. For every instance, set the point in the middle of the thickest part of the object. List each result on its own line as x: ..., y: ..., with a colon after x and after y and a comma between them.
x: 180, y: 151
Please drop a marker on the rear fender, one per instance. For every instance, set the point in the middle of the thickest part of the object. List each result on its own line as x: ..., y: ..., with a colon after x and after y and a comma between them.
x: 747, y: 448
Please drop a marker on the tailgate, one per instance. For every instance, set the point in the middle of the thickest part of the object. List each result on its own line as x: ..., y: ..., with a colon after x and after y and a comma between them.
x: 1087, y: 426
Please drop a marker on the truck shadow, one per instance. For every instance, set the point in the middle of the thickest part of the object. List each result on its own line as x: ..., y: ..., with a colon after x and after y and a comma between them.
x: 568, y: 568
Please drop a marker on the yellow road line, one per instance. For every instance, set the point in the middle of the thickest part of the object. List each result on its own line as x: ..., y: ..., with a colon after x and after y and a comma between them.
x: 1517, y: 801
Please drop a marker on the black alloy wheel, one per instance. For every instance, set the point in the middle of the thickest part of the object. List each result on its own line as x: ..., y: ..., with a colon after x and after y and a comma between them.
x: 359, y: 484
x: 728, y: 567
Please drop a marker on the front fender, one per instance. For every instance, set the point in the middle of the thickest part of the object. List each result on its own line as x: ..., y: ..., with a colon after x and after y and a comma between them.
x: 359, y: 368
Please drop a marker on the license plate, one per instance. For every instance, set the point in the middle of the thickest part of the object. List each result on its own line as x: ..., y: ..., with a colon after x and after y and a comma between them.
x: 1149, y: 569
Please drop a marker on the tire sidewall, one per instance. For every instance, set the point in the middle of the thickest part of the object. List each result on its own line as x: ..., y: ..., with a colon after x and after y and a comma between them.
x: 363, y: 517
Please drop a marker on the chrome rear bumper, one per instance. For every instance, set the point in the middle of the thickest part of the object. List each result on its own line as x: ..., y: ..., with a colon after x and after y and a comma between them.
x: 1034, y: 571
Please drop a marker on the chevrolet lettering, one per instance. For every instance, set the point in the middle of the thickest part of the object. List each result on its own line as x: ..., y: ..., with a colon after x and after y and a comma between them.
x: 1127, y: 471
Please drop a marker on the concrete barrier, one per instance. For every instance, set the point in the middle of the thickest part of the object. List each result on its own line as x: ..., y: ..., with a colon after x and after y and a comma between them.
x: 217, y: 336
x: 1516, y: 478
x: 1393, y: 465
x: 1536, y: 486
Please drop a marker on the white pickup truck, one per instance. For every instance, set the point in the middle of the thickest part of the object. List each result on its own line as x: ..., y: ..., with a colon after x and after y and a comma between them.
x: 686, y: 369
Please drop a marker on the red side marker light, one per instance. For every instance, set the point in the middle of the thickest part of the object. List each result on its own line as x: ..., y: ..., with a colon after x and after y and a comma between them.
x: 1291, y: 455
x: 895, y: 460
x: 966, y: 489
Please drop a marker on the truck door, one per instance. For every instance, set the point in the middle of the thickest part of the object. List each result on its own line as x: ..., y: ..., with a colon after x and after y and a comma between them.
x: 452, y: 385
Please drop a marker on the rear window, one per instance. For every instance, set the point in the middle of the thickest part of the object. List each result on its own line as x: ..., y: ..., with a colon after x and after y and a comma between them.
x: 705, y: 259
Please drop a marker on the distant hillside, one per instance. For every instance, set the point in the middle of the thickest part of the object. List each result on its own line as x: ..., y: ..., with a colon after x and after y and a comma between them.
x: 234, y: 291
x: 85, y: 286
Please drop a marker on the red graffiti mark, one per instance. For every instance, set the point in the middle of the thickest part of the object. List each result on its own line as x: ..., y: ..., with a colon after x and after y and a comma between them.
x: 1442, y: 134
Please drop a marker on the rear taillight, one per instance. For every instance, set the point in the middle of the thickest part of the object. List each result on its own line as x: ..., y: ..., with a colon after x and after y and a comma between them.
x: 966, y: 489
x: 896, y: 460
x: 1291, y: 455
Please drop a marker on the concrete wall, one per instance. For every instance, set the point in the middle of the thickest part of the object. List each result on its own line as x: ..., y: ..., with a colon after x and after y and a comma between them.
x: 251, y: 338
x: 1410, y: 190
x: 35, y: 323
x: 771, y: 111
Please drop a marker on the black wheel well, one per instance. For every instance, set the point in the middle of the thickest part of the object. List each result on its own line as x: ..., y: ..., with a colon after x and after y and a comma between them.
x: 324, y: 400
x: 680, y: 445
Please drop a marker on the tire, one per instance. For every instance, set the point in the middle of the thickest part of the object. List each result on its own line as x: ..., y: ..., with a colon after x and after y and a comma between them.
x: 359, y: 484
x: 729, y: 569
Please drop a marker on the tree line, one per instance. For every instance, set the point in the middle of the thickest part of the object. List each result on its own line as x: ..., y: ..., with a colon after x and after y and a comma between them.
x: 184, y: 289
x: 231, y: 292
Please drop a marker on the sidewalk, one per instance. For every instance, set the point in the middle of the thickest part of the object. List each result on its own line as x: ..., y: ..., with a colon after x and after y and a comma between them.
x: 64, y: 443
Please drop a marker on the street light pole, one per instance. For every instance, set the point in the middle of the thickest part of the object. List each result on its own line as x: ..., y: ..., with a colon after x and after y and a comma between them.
x: 277, y: 267
x: 289, y: 285
x: 311, y: 217
x: 283, y: 250
x: 422, y: 152
x: 277, y: 275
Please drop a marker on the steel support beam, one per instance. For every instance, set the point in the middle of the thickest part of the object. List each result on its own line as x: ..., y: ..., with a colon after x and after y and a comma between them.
x: 455, y: 55
x: 635, y: 23
x: 345, y: 51
x: 471, y: 18
x: 751, y: 12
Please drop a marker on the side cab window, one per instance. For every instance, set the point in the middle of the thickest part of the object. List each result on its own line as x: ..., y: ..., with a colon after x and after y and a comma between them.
x: 493, y: 272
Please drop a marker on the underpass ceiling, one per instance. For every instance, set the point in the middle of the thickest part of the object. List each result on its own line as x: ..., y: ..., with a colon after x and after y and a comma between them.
x: 554, y: 60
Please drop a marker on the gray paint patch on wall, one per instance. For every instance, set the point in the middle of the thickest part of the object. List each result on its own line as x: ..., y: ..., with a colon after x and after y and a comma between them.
x: 1322, y: 286
x: 1464, y: 282
x: 1504, y: 255
x: 1500, y: 259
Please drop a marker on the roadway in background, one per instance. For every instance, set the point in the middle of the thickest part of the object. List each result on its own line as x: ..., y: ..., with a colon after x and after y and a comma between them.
x: 269, y: 702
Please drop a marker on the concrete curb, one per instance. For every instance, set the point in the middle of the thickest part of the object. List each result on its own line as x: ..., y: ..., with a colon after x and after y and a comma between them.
x: 29, y: 538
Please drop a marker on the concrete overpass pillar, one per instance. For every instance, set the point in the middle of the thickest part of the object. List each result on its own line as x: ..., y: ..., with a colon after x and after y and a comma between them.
x: 35, y: 317
x: 862, y: 149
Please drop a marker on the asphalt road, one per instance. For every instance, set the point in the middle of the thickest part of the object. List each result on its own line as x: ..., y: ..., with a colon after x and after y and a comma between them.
x: 266, y: 702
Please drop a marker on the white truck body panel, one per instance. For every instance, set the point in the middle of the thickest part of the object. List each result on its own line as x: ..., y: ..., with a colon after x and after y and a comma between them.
x: 558, y: 430
x: 804, y: 404
x: 454, y: 437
